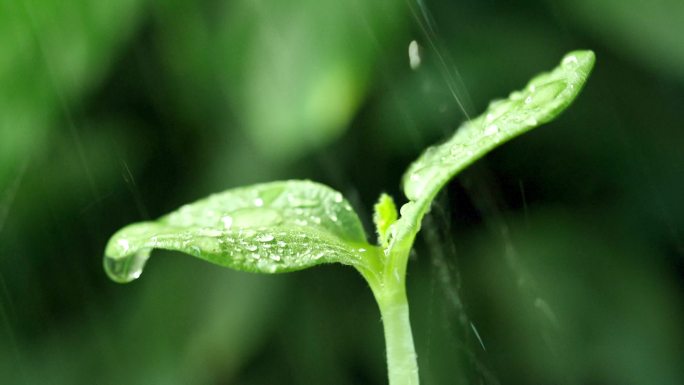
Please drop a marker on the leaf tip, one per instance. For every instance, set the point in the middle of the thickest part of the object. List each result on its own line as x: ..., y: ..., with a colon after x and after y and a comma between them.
x: 582, y: 60
x: 384, y: 215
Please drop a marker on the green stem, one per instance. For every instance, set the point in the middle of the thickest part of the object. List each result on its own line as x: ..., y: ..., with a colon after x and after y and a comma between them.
x: 402, y: 367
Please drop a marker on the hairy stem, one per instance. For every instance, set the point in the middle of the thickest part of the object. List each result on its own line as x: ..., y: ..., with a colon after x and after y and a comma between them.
x: 402, y: 367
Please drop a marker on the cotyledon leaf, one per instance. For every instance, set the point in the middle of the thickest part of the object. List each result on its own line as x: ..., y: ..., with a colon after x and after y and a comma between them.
x: 544, y: 98
x: 266, y: 228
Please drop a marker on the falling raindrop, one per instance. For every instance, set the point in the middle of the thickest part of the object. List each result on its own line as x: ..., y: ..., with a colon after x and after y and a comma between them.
x: 414, y: 55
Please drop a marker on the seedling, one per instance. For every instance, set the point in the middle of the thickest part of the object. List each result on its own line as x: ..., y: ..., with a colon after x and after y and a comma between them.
x: 286, y: 226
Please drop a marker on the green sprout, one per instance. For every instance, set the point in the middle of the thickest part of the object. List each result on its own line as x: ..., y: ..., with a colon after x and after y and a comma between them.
x: 292, y: 225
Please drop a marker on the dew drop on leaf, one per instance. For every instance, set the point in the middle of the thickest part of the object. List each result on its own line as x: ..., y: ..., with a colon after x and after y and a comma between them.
x: 227, y: 221
x: 491, y: 130
x: 265, y: 238
x: 256, y: 217
x: 296, y: 201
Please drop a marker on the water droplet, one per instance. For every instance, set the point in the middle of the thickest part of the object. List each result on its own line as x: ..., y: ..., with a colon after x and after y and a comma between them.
x: 248, y: 233
x: 126, y: 268
x: 208, y: 232
x: 456, y: 150
x: 516, y: 95
x: 338, y: 198
x: 256, y: 217
x: 265, y: 238
x: 545, y: 93
x: 296, y: 201
x: 271, y: 268
x: 570, y: 60
x: 124, y: 245
x: 258, y: 202
x: 281, y: 244
x: 421, y: 179
x: 251, y: 247
x: 227, y: 221
x: 414, y: 55
x: 275, y: 257
x: 491, y: 130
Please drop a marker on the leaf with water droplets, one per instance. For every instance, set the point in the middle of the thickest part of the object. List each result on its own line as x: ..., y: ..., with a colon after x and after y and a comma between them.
x: 266, y: 228
x: 544, y: 98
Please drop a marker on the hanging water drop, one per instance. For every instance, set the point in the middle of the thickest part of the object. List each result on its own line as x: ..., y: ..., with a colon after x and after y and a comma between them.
x: 126, y: 268
x: 124, y: 245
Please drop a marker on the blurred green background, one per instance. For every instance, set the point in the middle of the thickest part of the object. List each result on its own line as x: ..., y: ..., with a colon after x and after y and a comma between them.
x: 557, y: 259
